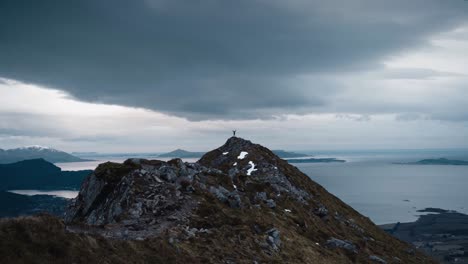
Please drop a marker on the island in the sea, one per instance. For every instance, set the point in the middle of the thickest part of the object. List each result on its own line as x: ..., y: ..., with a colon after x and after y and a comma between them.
x: 440, y: 161
x: 288, y: 154
x: 315, y: 160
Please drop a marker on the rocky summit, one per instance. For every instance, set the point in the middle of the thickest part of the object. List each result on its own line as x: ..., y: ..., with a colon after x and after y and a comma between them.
x: 239, y: 203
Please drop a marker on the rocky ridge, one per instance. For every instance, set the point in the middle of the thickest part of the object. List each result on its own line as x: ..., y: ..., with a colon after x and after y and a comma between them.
x: 239, y: 203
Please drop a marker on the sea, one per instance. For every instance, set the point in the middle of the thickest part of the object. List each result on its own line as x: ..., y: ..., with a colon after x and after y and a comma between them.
x: 371, y: 181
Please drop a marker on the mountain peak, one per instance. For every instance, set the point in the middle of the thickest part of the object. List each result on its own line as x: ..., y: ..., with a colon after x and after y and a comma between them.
x: 237, y: 153
x: 238, y: 202
x: 237, y: 141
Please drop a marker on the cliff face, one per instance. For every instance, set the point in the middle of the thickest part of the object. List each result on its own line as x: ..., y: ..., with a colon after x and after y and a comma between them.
x: 239, y: 203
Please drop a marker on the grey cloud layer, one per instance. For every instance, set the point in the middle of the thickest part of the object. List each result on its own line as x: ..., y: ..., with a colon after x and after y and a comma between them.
x: 210, y: 59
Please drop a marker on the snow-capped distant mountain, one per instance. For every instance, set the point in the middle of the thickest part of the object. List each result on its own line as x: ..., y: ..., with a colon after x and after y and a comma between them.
x: 36, y: 152
x: 37, y: 148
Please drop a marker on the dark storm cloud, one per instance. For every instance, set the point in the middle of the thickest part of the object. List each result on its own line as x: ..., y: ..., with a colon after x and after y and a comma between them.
x: 209, y: 59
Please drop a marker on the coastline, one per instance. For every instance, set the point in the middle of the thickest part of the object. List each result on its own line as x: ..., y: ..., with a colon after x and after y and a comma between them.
x: 442, y: 234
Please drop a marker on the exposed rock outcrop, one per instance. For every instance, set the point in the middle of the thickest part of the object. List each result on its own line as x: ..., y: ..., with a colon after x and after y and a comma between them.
x: 139, y: 198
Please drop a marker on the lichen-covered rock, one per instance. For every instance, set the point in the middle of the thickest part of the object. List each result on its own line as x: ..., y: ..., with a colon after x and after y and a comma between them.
x: 220, y: 193
x: 147, y: 198
x: 260, y: 197
x: 273, y: 238
x: 234, y: 200
x: 270, y: 203
x: 377, y: 259
x: 321, y: 211
x: 338, y: 243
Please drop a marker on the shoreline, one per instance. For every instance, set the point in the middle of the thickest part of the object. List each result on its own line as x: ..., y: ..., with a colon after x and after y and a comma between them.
x: 442, y: 234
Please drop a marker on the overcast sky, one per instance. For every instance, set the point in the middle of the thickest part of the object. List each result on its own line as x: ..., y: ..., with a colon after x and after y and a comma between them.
x: 154, y: 75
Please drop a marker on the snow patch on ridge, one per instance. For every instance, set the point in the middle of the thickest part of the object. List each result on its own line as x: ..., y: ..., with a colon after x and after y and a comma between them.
x: 252, y: 168
x: 225, y: 153
x: 242, y: 154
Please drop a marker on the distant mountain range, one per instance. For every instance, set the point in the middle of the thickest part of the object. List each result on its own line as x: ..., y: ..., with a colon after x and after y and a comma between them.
x: 312, y: 160
x: 180, y: 153
x: 36, y: 152
x: 39, y: 174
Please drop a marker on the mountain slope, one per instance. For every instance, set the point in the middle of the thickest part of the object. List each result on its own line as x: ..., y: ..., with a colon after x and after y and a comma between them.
x: 12, y: 205
x: 239, y: 203
x: 36, y: 152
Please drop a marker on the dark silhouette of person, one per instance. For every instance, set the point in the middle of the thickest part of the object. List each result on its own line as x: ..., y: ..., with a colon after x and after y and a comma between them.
x: 234, y: 133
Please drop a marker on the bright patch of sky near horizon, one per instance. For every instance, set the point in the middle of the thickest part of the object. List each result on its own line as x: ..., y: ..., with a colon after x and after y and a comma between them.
x: 418, y: 100
x: 49, y: 117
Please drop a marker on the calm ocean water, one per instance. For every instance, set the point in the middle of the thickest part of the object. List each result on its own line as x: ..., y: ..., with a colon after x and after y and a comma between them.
x: 374, y: 186
x: 389, y: 193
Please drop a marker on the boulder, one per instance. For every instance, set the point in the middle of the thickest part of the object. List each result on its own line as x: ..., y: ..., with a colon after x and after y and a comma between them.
x: 377, y: 259
x: 338, y: 243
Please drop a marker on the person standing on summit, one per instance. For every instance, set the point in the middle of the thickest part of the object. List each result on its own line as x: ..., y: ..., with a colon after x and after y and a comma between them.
x: 234, y: 133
